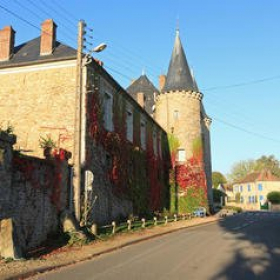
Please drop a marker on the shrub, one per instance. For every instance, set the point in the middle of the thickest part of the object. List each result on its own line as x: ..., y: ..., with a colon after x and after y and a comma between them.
x: 274, y: 197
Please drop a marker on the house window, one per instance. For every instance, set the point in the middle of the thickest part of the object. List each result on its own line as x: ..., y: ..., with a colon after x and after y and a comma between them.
x: 241, y: 199
x: 129, y: 125
x: 108, y: 111
x: 176, y: 115
x: 181, y: 155
x: 159, y: 146
x: 261, y: 198
x: 260, y: 187
x: 248, y: 188
x: 143, y: 135
x: 155, y: 146
x: 241, y: 188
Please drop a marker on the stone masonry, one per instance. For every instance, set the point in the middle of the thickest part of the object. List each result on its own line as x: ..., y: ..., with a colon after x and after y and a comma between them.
x: 33, y: 193
x: 38, y: 101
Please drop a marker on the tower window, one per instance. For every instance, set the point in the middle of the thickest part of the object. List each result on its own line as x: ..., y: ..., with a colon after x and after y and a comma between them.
x: 181, y: 155
x: 176, y: 115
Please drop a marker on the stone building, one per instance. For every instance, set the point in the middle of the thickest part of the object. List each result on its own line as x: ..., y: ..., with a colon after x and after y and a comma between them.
x: 144, y: 92
x: 178, y: 108
x: 119, y: 151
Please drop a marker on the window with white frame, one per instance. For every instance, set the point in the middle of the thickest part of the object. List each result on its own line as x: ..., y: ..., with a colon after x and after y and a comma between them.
x: 143, y: 134
x: 129, y: 125
x: 108, y: 111
x: 181, y: 155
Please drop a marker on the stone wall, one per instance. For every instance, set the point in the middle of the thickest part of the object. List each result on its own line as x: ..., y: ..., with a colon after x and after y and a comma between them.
x: 33, y: 193
x: 179, y: 113
x: 38, y: 100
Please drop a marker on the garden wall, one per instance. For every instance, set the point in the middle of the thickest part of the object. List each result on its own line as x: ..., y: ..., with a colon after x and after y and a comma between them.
x: 33, y: 193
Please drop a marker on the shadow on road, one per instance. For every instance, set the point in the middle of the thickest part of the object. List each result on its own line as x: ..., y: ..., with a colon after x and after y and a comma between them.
x: 255, y: 246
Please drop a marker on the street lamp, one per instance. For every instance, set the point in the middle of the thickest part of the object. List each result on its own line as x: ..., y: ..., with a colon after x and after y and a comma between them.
x: 99, y: 48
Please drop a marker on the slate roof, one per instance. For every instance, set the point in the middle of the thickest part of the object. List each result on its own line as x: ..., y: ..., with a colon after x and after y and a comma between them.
x: 29, y: 53
x: 144, y: 85
x: 264, y: 175
x: 179, y: 76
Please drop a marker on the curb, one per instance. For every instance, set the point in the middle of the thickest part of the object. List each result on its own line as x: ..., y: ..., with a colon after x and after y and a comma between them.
x: 105, y: 251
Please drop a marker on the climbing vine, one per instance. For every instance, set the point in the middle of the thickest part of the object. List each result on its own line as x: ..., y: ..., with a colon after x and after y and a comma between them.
x: 135, y: 173
x: 188, y: 180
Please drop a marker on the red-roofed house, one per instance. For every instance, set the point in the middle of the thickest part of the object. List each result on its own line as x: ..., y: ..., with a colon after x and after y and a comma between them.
x: 253, y: 189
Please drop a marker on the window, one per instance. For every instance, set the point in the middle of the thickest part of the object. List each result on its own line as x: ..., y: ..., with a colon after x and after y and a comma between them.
x: 241, y: 188
x: 159, y: 146
x: 176, y: 115
x: 108, y: 111
x: 248, y: 188
x: 241, y: 199
x: 143, y: 135
x: 155, y: 143
x: 236, y: 189
x: 261, y: 198
x: 129, y: 125
x: 181, y: 155
x: 260, y: 187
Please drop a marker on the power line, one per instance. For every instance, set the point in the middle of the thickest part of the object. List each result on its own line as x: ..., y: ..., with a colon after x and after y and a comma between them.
x: 48, y: 15
x: 247, y: 131
x: 244, y: 83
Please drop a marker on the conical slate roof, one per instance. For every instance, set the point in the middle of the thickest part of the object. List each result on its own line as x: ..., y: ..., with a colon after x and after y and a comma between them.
x: 179, y: 76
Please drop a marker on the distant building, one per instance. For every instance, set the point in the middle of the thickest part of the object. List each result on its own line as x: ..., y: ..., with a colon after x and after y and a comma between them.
x: 251, y: 192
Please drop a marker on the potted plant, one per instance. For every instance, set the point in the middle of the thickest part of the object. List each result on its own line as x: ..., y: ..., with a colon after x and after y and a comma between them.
x: 47, y: 144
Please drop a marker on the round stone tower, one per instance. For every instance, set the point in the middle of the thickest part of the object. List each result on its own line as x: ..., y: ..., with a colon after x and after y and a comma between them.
x: 179, y: 110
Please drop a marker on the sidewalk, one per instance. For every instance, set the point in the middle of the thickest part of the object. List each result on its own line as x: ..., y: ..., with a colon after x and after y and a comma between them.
x: 71, y: 255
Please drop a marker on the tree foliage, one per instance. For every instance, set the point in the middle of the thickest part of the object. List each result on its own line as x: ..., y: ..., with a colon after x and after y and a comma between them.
x: 217, y: 179
x: 244, y: 167
x: 274, y: 197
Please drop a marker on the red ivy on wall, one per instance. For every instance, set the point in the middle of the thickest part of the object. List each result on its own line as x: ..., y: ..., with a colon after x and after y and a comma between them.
x: 30, y: 167
x: 122, y: 173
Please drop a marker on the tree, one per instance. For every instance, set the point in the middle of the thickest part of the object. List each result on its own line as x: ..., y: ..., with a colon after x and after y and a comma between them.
x: 241, y: 169
x: 218, y: 178
x: 274, y: 197
x: 244, y: 167
x: 268, y: 162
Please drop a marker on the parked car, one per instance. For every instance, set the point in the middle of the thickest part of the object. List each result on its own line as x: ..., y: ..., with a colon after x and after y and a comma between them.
x: 199, y: 212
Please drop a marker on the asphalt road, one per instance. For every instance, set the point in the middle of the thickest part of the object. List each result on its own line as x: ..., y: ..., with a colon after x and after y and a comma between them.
x: 245, y: 246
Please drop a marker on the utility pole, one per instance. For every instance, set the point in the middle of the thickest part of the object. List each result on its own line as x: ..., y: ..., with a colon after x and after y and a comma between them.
x: 77, y: 129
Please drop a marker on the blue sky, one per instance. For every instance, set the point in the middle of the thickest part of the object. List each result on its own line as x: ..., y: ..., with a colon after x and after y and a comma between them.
x: 233, y: 47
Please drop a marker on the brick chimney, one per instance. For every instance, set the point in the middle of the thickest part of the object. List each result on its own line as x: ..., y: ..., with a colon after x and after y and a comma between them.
x: 141, y: 99
x: 162, y: 79
x: 48, y: 37
x: 7, y: 41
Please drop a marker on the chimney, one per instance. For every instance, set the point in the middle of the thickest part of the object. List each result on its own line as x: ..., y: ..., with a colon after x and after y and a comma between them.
x: 162, y: 79
x: 48, y: 37
x: 7, y: 41
x: 141, y: 99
